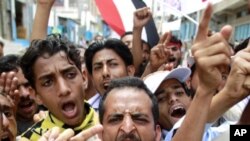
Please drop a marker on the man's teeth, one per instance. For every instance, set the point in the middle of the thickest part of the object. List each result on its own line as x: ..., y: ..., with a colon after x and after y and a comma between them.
x: 178, y: 107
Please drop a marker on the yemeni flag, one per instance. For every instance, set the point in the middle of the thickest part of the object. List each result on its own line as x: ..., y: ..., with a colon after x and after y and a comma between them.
x: 118, y: 14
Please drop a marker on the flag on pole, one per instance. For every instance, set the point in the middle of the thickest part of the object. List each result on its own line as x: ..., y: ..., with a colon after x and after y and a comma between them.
x: 118, y: 14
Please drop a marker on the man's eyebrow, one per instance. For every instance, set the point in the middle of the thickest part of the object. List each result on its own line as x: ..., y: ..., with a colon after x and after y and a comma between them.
x: 107, y: 60
x: 70, y: 68
x: 49, y: 74
x: 138, y: 114
x: 4, y: 107
x: 111, y: 59
x: 159, y: 92
x: 176, y: 86
x: 44, y: 75
x: 115, y: 115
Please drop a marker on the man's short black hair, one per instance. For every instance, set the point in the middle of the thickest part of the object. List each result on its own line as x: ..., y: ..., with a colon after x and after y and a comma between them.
x: 129, y: 82
x: 46, y: 48
x: 144, y: 42
x: 175, y: 40
x: 126, y: 33
x: 9, y: 63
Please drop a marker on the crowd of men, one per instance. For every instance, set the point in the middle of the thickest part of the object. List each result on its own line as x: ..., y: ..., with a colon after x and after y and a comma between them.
x: 124, y: 89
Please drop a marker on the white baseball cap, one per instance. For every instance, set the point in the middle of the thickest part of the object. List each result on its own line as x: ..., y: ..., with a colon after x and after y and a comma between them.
x: 154, y: 80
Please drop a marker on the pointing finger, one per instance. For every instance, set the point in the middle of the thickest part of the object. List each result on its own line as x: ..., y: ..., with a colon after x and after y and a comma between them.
x: 203, y: 26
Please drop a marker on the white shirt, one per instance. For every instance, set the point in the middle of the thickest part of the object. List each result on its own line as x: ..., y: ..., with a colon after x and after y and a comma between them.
x: 94, y: 101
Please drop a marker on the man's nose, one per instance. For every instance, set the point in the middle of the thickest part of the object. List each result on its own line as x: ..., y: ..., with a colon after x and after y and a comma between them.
x: 172, y: 98
x: 24, y: 91
x: 128, y: 125
x: 5, y: 121
x: 63, y: 87
x: 105, y: 71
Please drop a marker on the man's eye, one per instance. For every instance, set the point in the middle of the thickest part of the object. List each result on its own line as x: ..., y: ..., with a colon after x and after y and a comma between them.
x: 8, y: 114
x: 161, y: 98
x: 47, y: 82
x: 224, y: 76
x: 97, y: 67
x: 141, y: 120
x: 174, y: 48
x: 114, y: 120
x: 180, y: 93
x: 113, y: 64
x: 26, y: 85
x: 71, y: 75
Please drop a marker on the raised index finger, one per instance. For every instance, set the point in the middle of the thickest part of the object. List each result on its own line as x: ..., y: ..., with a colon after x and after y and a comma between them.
x: 204, y: 23
x: 166, y: 36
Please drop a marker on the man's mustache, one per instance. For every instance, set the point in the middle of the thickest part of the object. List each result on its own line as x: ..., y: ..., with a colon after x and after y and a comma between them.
x: 130, y: 136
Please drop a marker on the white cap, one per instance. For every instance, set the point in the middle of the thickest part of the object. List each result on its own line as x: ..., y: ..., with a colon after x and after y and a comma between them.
x: 154, y: 80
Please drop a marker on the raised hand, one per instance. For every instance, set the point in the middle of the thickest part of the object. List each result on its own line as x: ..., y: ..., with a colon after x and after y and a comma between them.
x: 90, y: 134
x: 56, y: 135
x: 39, y: 116
x: 238, y: 82
x: 159, y: 55
x: 40, y: 25
x: 46, y: 2
x: 141, y: 17
x: 211, y: 53
x: 8, y: 85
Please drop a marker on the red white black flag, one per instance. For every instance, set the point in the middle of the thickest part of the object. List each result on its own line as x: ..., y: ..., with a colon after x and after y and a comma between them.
x: 118, y: 14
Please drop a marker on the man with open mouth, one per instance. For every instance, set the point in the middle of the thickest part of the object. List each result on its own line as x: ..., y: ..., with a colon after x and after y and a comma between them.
x: 53, y: 68
x: 105, y: 61
x: 172, y: 95
x: 175, y: 53
x: 26, y: 106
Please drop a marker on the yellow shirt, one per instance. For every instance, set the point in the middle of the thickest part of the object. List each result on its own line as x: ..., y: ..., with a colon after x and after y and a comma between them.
x: 38, y: 129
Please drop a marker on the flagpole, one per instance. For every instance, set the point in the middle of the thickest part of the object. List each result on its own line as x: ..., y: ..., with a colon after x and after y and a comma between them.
x: 180, y: 12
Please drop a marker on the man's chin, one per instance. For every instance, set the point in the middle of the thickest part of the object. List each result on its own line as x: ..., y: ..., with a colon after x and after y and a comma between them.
x: 174, y: 120
x: 25, y: 116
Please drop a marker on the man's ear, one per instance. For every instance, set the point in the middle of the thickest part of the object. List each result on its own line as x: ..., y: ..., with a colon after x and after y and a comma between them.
x: 131, y: 70
x: 38, y: 99
x: 158, y: 133
x: 85, y: 78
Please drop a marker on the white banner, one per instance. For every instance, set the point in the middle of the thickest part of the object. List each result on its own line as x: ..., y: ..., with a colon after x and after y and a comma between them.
x: 171, y: 26
x: 188, y: 6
